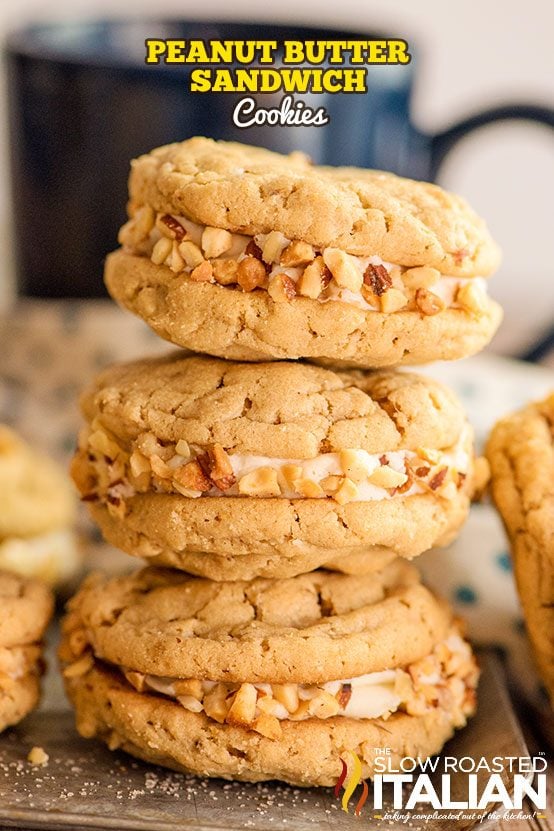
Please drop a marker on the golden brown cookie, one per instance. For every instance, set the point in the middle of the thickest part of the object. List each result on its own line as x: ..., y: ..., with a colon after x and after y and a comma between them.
x: 37, y: 511
x: 521, y: 455
x: 26, y: 608
x: 267, y: 679
x: 245, y: 254
x: 35, y: 494
x: 238, y: 470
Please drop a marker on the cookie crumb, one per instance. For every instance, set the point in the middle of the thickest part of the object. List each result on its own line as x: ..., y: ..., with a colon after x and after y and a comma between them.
x: 38, y: 756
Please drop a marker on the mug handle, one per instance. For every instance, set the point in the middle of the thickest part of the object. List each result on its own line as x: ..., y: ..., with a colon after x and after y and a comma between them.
x: 442, y: 143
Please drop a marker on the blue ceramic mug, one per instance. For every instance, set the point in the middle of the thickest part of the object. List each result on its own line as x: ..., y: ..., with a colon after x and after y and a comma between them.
x: 83, y: 103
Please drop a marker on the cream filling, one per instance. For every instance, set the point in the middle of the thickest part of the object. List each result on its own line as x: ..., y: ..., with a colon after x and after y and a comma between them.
x: 446, y: 287
x: 317, y: 470
x: 53, y: 557
x: 369, y: 696
x: 351, y: 475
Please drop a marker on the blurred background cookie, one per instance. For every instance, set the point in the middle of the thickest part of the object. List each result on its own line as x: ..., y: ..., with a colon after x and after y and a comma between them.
x: 26, y: 608
x: 521, y: 454
x: 37, y: 514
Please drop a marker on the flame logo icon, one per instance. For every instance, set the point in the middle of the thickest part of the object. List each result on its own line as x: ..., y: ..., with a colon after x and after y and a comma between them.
x: 352, y: 778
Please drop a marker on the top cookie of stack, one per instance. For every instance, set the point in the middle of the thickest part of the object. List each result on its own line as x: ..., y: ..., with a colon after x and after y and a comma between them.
x: 245, y: 254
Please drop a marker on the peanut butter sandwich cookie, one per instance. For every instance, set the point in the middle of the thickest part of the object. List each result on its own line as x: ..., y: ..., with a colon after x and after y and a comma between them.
x: 521, y: 455
x: 242, y: 253
x: 271, y: 679
x: 233, y: 471
x: 26, y: 608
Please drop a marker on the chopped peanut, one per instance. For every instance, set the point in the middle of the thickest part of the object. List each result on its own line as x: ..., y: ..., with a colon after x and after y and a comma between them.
x: 313, y: 280
x: 281, y: 288
x: 215, y: 703
x: 251, y: 274
x: 472, y: 298
x: 135, y: 679
x: 386, y: 477
x: 354, y: 465
x: 268, y: 726
x: 80, y: 667
x: 203, y: 273
x: 428, y: 303
x: 217, y: 466
x: 160, y: 468
x: 347, y: 492
x: 161, y: 251
x: 429, y: 454
x: 291, y: 473
x: 422, y: 277
x: 301, y: 712
x: 309, y: 489
x: 331, y: 484
x: 38, y: 756
x: 176, y: 262
x: 343, y: 268
x: 182, y: 448
x: 323, y: 705
x: 296, y: 254
x: 267, y: 704
x: 287, y: 695
x: 370, y: 297
x: 225, y: 271
x: 149, y: 445
x: 190, y: 686
x: 273, y: 247
x: 393, y: 300
x: 191, y: 253
x: 243, y: 709
x: 262, y: 482
x: 100, y: 441
x: 215, y: 241
x: 192, y: 477
x: 138, y: 227
x: 190, y: 703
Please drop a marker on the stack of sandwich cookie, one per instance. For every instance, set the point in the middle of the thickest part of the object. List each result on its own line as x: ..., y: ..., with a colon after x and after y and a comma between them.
x: 233, y: 471
x: 27, y: 607
x: 249, y: 255
x: 269, y: 679
x: 265, y: 478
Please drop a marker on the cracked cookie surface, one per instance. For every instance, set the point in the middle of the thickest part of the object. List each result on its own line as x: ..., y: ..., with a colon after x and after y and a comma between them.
x: 305, y: 629
x: 521, y: 455
x: 237, y: 470
x: 242, y: 253
x: 252, y: 190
